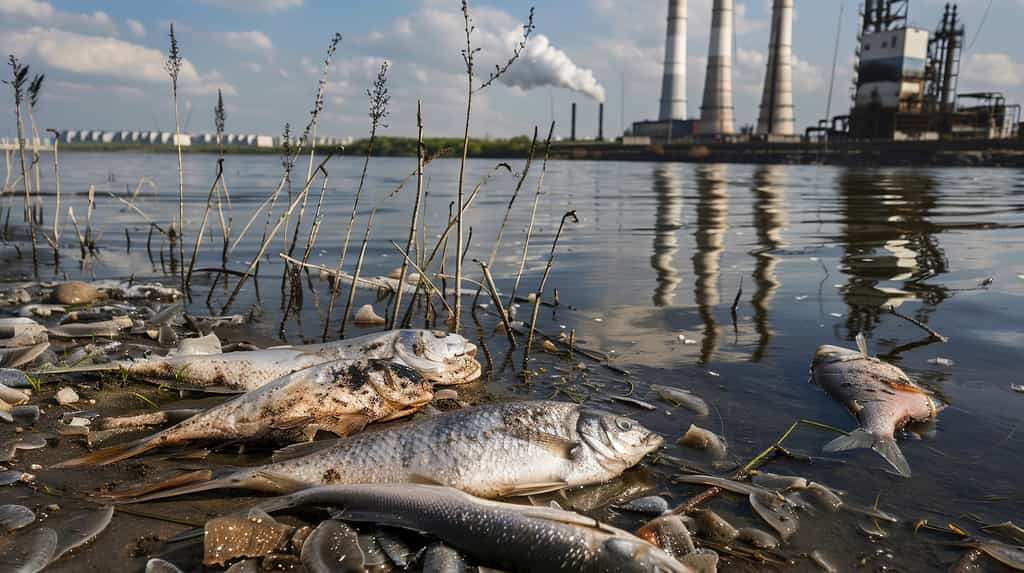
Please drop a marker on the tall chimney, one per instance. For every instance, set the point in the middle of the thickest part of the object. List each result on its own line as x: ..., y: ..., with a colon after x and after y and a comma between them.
x: 673, y: 80
x: 600, y: 121
x: 716, y: 112
x: 572, y: 132
x: 776, y: 117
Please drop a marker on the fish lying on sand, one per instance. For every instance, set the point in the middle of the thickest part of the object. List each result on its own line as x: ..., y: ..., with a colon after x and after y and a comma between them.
x: 516, y: 448
x: 881, y: 396
x: 440, y: 357
x: 507, y: 536
x: 341, y: 397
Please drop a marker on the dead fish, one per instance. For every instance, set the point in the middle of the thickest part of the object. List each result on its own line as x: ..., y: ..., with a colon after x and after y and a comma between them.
x: 1010, y: 555
x: 14, y: 517
x: 104, y: 328
x: 21, y: 331
x: 634, y: 402
x: 366, y: 316
x: 333, y: 547
x: 201, y: 346
x: 157, y: 565
x: 652, y: 505
x: 146, y: 420
x: 75, y: 292
x: 340, y: 397
x: 22, y: 355
x: 256, y: 535
x: 41, y: 310
x: 1008, y: 531
x: 680, y: 397
x: 23, y: 442
x: 440, y: 357
x: 672, y: 535
x: 824, y: 497
x: 778, y: 482
x: 508, y: 536
x: 757, y: 538
x: 714, y: 527
x: 515, y: 448
x: 80, y: 529
x: 770, y: 506
x: 28, y: 553
x: 881, y: 396
x: 135, y: 290
x: 440, y: 558
x: 701, y: 439
x: 25, y: 415
x: 374, y: 558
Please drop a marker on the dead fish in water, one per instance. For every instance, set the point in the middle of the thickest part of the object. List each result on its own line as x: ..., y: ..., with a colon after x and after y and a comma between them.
x: 14, y: 517
x: 1010, y: 555
x: 516, y: 448
x: 10, y: 477
x: 714, y: 527
x: 22, y: 355
x: 653, y: 505
x: 701, y: 439
x: 777, y: 482
x: 41, y: 310
x: 21, y: 331
x: 104, y: 328
x: 881, y: 396
x: 28, y: 553
x: 680, y: 397
x: 969, y: 562
x: 757, y: 538
x: 512, y: 537
x: 1006, y: 530
x: 440, y: 357
x: 341, y: 397
x: 823, y: 563
x: 772, y: 507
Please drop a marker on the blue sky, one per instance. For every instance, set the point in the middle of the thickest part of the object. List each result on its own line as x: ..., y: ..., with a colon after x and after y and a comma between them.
x: 103, y: 60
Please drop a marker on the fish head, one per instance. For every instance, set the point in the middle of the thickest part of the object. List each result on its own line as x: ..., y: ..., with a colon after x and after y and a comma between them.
x: 830, y: 353
x: 397, y: 383
x: 617, y: 440
x: 634, y: 554
x: 441, y: 357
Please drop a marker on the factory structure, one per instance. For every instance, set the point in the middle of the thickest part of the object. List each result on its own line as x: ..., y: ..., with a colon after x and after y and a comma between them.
x: 131, y: 137
x: 905, y: 85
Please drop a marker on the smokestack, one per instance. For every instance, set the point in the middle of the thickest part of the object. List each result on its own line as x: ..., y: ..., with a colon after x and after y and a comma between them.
x: 716, y: 113
x: 776, y: 117
x: 673, y: 80
x: 600, y: 121
x: 572, y: 132
x: 947, y: 71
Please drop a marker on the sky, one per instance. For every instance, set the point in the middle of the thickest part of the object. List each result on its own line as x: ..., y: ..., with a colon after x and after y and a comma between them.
x: 103, y: 61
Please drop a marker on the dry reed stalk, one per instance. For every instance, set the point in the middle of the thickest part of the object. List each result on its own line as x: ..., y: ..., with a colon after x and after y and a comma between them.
x: 489, y: 281
x: 415, y: 213
x: 314, y: 229
x: 206, y: 218
x: 355, y: 273
x: 56, y: 183
x: 19, y: 75
x: 34, y: 88
x: 543, y: 282
x: 88, y: 215
x: 533, y: 217
x: 173, y: 67
x: 424, y: 280
x: 78, y: 231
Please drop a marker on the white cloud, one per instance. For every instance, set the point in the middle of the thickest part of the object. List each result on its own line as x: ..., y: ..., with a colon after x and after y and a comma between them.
x: 136, y: 28
x: 106, y: 56
x: 255, y: 5
x: 44, y: 13
x: 993, y: 69
x: 251, y: 41
x: 252, y: 67
x: 62, y: 89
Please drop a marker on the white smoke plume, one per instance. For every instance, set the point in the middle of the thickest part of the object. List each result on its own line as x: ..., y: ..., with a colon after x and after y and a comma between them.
x: 542, y: 64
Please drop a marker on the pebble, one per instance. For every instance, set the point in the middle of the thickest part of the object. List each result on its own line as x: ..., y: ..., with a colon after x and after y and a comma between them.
x: 53, y: 507
x: 446, y: 394
x: 75, y: 292
x: 66, y: 396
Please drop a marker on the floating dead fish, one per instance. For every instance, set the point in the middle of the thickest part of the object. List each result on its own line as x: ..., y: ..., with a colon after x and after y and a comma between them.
x: 712, y: 526
x: 104, y: 328
x: 672, y: 535
x: 824, y: 497
x: 81, y: 528
x: 75, y: 292
x: 333, y: 547
x: 440, y: 558
x: 881, y: 396
x: 777, y: 512
x: 21, y: 331
x: 20, y: 356
x: 366, y: 316
x: 41, y: 310
x: 14, y: 517
x: 634, y: 402
x: 778, y: 482
x: 23, y: 442
x: 28, y: 553
x: 440, y: 357
x: 340, y: 397
x: 157, y: 565
x: 680, y: 397
x: 228, y: 538
x: 515, y: 448
x: 1007, y: 530
x: 503, y: 535
x: 701, y: 439
x: 652, y: 505
x: 133, y: 290
x: 940, y: 361
x: 757, y: 538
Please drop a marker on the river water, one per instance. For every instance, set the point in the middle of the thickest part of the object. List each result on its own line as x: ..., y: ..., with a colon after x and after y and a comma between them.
x: 812, y: 255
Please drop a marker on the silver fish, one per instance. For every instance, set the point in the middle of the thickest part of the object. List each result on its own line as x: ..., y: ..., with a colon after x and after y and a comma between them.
x: 105, y: 328
x: 516, y: 448
x: 680, y: 397
x: 701, y: 439
x: 512, y: 537
x: 440, y: 357
x: 341, y: 396
x: 881, y: 396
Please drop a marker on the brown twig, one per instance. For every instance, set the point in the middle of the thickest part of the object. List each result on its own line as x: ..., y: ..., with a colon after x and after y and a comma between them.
x: 931, y: 332
x: 533, y: 217
x: 415, y: 213
x: 489, y: 282
x: 543, y: 281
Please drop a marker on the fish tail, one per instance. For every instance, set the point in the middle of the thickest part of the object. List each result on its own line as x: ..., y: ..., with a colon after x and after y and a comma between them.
x: 113, y: 454
x: 110, y: 366
x: 884, y: 446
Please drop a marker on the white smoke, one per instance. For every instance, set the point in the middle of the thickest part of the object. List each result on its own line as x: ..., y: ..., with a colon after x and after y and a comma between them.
x: 542, y: 64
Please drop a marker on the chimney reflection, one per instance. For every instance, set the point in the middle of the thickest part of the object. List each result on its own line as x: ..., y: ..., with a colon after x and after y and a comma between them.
x: 668, y: 219
x: 769, y: 219
x: 712, y: 209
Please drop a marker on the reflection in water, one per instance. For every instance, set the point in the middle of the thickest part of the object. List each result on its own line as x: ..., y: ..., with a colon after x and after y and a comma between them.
x: 769, y: 218
x: 887, y: 236
x: 668, y: 219
x: 712, y: 208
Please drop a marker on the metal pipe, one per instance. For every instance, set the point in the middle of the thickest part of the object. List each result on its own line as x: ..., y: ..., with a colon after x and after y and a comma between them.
x: 673, y: 80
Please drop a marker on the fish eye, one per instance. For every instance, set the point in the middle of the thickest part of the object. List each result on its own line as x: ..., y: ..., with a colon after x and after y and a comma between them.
x: 624, y: 425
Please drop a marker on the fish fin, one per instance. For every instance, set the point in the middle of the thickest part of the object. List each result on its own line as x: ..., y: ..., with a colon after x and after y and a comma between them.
x: 862, y: 344
x: 302, y: 449
x: 17, y: 357
x: 293, y: 423
x: 279, y: 482
x: 400, y: 414
x: 556, y: 444
x: 347, y: 425
x: 885, y: 447
x: 424, y: 480
x: 533, y: 488
x: 112, y: 454
x: 196, y: 481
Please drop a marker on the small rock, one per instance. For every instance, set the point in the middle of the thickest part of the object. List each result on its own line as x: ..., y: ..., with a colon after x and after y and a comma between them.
x: 446, y: 394
x: 75, y: 292
x: 66, y: 396
x: 366, y: 316
x: 550, y: 347
x: 53, y: 507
